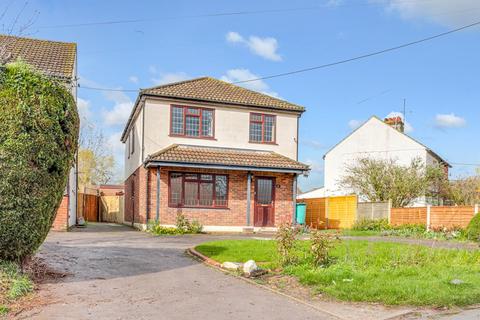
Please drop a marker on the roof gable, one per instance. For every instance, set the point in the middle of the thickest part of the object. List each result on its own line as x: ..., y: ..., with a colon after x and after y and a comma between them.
x: 394, y: 131
x: 52, y: 58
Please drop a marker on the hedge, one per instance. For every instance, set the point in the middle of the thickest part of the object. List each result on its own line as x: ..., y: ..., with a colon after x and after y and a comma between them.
x: 39, y: 127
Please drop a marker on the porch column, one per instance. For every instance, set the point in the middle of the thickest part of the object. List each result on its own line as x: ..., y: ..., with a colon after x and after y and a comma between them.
x: 249, y: 188
x: 294, y: 198
x: 157, y: 217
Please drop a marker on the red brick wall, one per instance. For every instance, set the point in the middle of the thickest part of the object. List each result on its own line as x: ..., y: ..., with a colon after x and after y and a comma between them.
x: 235, y: 215
x: 61, y: 219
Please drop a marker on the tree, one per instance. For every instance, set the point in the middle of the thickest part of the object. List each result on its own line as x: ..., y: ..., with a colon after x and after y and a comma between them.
x: 465, y: 191
x: 96, y: 164
x: 383, y: 180
x: 39, y: 127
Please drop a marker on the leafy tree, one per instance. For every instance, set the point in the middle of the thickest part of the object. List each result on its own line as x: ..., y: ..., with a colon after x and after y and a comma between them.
x: 38, y: 141
x: 383, y: 180
x: 96, y: 164
x: 465, y: 191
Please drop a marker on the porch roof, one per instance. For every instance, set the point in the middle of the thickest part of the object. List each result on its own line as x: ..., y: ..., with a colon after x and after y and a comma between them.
x: 224, y: 158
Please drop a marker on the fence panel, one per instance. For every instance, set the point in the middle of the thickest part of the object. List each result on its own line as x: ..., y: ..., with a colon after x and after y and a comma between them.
x: 372, y: 210
x: 341, y: 212
x: 111, y: 208
x: 451, y: 217
x: 315, y: 215
x: 417, y: 215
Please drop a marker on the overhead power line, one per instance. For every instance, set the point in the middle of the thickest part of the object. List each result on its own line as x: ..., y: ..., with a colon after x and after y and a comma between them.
x: 327, y: 65
x: 326, y: 5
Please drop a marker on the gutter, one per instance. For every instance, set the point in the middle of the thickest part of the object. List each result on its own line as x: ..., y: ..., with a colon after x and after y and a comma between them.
x: 153, y: 163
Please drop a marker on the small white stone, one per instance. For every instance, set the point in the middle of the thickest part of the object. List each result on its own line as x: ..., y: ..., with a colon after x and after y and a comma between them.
x: 249, y: 267
x: 231, y: 265
x: 456, y: 282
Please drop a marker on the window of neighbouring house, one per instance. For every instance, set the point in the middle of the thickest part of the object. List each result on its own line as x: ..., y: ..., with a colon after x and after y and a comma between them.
x: 192, y: 122
x: 198, y: 190
x: 262, y: 128
x: 132, y: 141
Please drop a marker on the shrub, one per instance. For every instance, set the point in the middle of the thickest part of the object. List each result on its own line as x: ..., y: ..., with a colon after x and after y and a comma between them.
x: 286, y: 242
x: 13, y: 285
x: 157, y: 229
x: 38, y: 140
x: 473, y: 229
x: 321, y: 243
x: 371, y: 225
x: 185, y: 226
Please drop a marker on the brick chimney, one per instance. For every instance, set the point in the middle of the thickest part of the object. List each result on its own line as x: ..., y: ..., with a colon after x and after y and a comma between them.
x: 396, y: 123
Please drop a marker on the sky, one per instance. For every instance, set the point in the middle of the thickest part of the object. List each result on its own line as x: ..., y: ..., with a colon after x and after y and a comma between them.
x: 156, y: 42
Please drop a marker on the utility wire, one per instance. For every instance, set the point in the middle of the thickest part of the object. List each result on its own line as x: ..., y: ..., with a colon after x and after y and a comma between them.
x: 364, y: 56
x: 219, y: 14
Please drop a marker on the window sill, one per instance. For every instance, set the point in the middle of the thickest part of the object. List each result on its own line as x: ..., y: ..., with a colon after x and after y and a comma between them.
x: 258, y: 142
x: 203, y: 208
x: 190, y: 137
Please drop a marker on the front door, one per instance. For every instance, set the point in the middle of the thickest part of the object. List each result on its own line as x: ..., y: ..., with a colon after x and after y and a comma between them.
x: 264, y: 202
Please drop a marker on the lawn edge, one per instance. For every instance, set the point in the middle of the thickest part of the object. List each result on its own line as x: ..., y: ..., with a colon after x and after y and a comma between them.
x: 217, y: 265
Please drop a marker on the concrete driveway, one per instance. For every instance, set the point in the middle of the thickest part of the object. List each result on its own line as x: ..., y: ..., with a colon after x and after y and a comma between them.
x: 118, y: 273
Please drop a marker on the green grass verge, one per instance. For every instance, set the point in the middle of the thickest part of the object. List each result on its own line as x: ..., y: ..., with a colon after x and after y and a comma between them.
x: 13, y: 285
x: 389, y: 273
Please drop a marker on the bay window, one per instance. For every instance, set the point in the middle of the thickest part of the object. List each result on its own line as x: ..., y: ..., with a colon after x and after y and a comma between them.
x: 191, y: 122
x: 198, y: 190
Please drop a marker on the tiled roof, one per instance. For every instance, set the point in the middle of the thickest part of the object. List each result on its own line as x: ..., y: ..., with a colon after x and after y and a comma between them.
x: 214, y: 90
x: 49, y: 57
x: 186, y: 154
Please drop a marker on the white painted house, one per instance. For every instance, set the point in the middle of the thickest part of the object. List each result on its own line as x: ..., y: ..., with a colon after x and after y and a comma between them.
x: 379, y: 140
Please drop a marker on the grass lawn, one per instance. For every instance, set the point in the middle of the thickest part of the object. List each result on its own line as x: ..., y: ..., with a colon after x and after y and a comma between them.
x: 13, y: 285
x: 390, y: 273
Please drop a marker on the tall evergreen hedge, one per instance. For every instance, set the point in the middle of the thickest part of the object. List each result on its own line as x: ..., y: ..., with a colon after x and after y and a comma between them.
x: 39, y: 127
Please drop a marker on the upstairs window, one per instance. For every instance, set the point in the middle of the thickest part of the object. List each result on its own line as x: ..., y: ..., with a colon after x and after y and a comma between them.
x: 262, y: 128
x: 191, y: 122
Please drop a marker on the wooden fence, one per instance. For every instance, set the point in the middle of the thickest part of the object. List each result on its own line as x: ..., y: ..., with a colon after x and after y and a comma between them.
x: 342, y: 212
x: 88, y: 207
x: 331, y: 212
x: 434, y: 217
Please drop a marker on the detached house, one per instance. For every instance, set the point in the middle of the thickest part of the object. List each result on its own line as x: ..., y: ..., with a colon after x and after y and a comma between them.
x: 59, y: 61
x: 212, y: 151
x: 379, y: 140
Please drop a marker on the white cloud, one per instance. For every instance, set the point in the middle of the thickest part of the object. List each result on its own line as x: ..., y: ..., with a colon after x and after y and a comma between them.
x: 133, y: 79
x: 449, y: 121
x: 116, y: 146
x: 407, y: 126
x: 314, y: 144
x: 170, y: 77
x: 152, y: 69
x: 315, y: 166
x: 354, y: 124
x: 446, y: 12
x: 235, y: 75
x: 83, y: 107
x: 264, y: 47
x: 118, y: 115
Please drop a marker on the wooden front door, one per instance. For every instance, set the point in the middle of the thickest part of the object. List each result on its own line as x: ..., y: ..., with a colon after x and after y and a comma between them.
x: 264, y: 215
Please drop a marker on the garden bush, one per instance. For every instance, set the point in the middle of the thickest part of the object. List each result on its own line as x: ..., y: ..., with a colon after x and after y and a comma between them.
x: 371, y: 225
x: 473, y: 229
x: 286, y: 237
x: 38, y: 140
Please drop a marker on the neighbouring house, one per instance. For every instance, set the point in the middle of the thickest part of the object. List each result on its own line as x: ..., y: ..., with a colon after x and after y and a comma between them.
x: 312, y: 194
x: 57, y: 60
x: 380, y: 140
x: 214, y: 152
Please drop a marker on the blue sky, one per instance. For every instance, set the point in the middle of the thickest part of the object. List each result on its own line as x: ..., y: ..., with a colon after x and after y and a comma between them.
x: 438, y: 79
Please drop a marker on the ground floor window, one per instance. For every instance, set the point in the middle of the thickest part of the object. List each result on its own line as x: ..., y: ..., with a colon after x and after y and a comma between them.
x: 198, y: 190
